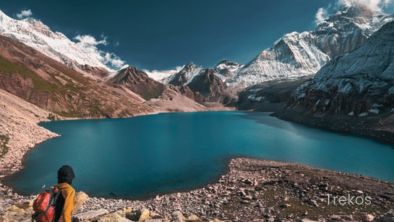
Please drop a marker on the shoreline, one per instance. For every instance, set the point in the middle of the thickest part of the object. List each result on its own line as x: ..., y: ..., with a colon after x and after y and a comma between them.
x: 378, y: 135
x: 6, y: 172
x: 20, y: 166
x: 252, y: 189
x: 116, y: 204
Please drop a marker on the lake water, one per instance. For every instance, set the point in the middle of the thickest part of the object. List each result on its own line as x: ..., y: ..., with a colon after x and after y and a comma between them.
x: 148, y: 155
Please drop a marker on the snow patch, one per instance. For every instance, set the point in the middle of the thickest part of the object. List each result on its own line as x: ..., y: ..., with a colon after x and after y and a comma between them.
x: 83, y: 51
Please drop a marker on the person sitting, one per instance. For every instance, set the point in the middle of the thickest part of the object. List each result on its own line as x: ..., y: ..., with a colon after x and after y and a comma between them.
x: 65, y: 202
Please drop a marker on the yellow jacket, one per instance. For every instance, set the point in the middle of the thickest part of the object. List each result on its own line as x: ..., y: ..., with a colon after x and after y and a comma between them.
x: 68, y: 193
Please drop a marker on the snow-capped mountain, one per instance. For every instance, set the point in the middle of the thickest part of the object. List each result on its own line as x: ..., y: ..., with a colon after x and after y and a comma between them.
x: 55, y: 45
x: 301, y: 54
x: 184, y: 76
x: 358, y: 82
x: 227, y: 69
x: 375, y: 59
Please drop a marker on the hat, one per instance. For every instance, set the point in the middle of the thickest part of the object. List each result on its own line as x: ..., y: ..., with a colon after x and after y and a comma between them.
x: 65, y: 174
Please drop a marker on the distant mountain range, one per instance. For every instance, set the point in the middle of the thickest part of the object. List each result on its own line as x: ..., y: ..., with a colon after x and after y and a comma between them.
x: 60, y: 75
x: 300, y: 54
x: 358, y: 83
x: 292, y: 56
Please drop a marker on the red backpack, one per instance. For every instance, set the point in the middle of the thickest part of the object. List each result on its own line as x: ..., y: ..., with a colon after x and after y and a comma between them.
x: 44, y: 206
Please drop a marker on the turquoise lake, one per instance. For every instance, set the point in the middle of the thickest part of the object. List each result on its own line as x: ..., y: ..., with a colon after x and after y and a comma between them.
x: 148, y: 155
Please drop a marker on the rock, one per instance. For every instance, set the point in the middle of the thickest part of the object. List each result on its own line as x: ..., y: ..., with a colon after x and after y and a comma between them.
x: 387, y: 217
x: 113, y: 217
x: 80, y: 199
x: 138, y: 215
x: 308, y: 220
x: 192, y: 218
x: 177, y: 216
x: 341, y: 218
x: 335, y: 218
x: 285, y: 205
x: 25, y: 204
x: 368, y: 217
x: 134, y: 215
x: 215, y: 220
x: 91, y: 214
x: 314, y: 203
x: 145, y: 214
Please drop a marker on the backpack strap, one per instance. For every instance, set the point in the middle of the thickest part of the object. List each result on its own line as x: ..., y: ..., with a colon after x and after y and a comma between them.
x: 34, y: 216
x: 54, y: 196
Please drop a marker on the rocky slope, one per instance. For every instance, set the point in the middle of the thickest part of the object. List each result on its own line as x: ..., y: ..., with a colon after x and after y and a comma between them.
x: 184, y: 76
x: 355, y: 91
x: 174, y: 100
x: 137, y: 81
x: 227, y: 69
x: 270, y: 96
x: 56, y: 45
x: 301, y: 54
x: 208, y: 87
x: 33, y: 76
x: 205, y: 85
x: 19, y: 130
x: 251, y: 190
x: 157, y: 96
x: 358, y: 83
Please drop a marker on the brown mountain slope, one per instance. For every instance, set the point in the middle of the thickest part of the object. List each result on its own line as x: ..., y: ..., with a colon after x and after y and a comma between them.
x: 48, y: 84
x: 19, y: 130
x: 207, y: 87
x: 160, y: 97
x: 137, y: 81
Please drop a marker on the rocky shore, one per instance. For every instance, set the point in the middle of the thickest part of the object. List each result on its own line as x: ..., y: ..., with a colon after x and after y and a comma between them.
x: 377, y: 127
x: 19, y: 130
x: 251, y: 190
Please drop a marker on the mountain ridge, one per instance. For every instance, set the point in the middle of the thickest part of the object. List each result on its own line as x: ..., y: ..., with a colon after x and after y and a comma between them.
x: 55, y: 45
x: 302, y: 54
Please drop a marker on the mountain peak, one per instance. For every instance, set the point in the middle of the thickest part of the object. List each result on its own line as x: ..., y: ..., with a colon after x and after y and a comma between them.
x: 302, y: 54
x: 189, y: 66
x: 130, y: 71
x: 138, y: 81
x: 373, y: 59
x: 185, y: 75
x: 227, y: 62
x: 227, y: 68
x: 356, y: 10
x: 36, y: 34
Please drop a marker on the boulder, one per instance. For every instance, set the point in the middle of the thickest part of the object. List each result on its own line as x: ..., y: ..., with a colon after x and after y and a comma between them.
x: 138, y: 215
x: 113, y: 217
x: 192, y: 218
x: 91, y: 214
x: 80, y: 199
x: 177, y: 216
x: 145, y: 215
x: 368, y: 217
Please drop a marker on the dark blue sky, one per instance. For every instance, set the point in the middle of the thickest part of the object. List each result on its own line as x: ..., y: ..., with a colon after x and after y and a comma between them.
x: 162, y: 34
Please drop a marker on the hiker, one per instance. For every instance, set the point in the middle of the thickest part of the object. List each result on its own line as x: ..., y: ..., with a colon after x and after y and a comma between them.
x: 57, y: 204
x: 65, y: 202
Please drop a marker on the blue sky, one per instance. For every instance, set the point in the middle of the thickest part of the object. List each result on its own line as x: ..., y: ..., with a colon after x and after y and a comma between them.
x: 158, y: 34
